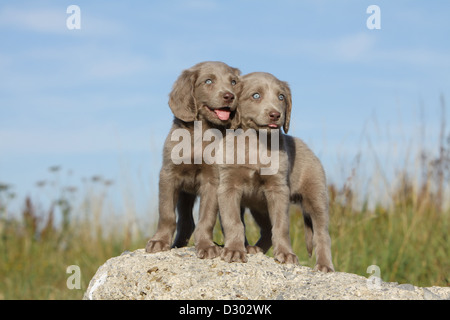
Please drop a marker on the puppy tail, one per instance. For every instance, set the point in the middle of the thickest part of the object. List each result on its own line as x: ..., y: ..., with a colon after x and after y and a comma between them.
x: 309, y: 232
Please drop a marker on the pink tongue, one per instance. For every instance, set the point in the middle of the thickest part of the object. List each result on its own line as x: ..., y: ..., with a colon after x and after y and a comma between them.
x: 273, y: 125
x: 223, y: 114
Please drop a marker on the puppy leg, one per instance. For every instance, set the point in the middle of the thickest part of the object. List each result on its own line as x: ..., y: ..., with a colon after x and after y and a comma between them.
x: 309, y: 232
x: 318, y: 212
x: 233, y: 228
x: 243, y: 222
x: 185, y: 222
x: 278, y: 207
x: 168, y: 196
x: 265, y: 226
x: 203, y: 234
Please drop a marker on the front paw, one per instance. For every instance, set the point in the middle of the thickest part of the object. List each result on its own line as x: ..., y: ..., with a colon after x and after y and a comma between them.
x: 231, y: 255
x: 253, y: 249
x: 323, y: 268
x: 208, y: 252
x: 286, y: 257
x: 154, y: 246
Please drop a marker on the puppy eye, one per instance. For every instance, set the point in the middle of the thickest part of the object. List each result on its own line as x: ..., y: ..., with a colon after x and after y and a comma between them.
x: 233, y: 82
x: 281, y: 97
x: 208, y: 81
x: 256, y: 96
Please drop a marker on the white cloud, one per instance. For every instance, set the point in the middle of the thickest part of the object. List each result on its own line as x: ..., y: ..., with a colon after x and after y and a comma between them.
x: 366, y: 47
x: 358, y: 47
x: 348, y: 48
x: 415, y: 56
x: 118, y: 66
x: 90, y: 139
x: 67, y: 66
x: 353, y: 47
x: 39, y: 20
x: 205, y: 5
x: 5, y: 61
x: 53, y: 21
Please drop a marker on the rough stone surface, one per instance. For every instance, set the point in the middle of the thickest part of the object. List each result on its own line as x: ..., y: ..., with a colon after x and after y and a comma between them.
x: 179, y: 274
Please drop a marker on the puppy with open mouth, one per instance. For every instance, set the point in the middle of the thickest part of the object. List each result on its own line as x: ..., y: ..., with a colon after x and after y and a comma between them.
x: 205, y: 94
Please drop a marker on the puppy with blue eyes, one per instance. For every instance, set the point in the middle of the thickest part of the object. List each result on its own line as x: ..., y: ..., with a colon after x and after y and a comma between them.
x: 203, y: 98
x: 264, y: 107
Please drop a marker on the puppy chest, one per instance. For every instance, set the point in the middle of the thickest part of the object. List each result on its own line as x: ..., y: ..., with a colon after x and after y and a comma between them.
x: 187, y: 177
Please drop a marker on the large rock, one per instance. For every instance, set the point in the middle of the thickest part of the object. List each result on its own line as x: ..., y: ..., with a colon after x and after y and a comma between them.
x: 179, y: 274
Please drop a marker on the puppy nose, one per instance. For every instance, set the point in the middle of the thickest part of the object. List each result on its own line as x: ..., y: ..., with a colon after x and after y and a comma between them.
x: 228, y: 97
x: 274, y: 115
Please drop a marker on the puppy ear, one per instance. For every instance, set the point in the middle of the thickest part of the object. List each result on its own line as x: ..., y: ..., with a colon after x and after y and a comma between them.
x: 236, y: 121
x: 181, y: 98
x: 236, y: 71
x: 287, y: 116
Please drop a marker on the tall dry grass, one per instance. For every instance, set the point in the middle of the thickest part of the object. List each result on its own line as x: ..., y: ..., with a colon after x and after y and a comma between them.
x: 38, y: 244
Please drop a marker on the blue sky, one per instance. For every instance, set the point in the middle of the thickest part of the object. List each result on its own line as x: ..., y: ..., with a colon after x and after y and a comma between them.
x: 94, y: 100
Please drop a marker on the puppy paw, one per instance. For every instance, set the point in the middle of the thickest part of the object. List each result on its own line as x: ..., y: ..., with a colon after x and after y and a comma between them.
x: 154, y: 246
x: 323, y: 268
x: 208, y: 252
x: 286, y: 257
x: 253, y: 249
x: 231, y: 255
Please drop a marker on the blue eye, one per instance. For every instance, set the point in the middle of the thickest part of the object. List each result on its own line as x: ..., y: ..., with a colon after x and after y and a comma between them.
x: 208, y: 81
x: 256, y: 96
x: 233, y: 82
x: 281, y: 97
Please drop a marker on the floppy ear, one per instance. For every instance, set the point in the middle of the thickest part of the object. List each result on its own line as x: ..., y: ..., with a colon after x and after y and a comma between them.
x: 287, y: 116
x: 236, y: 121
x: 181, y: 98
x: 236, y: 71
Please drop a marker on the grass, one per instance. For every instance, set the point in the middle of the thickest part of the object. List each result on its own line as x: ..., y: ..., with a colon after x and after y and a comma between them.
x: 35, y: 251
x: 409, y: 243
x: 405, y: 234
